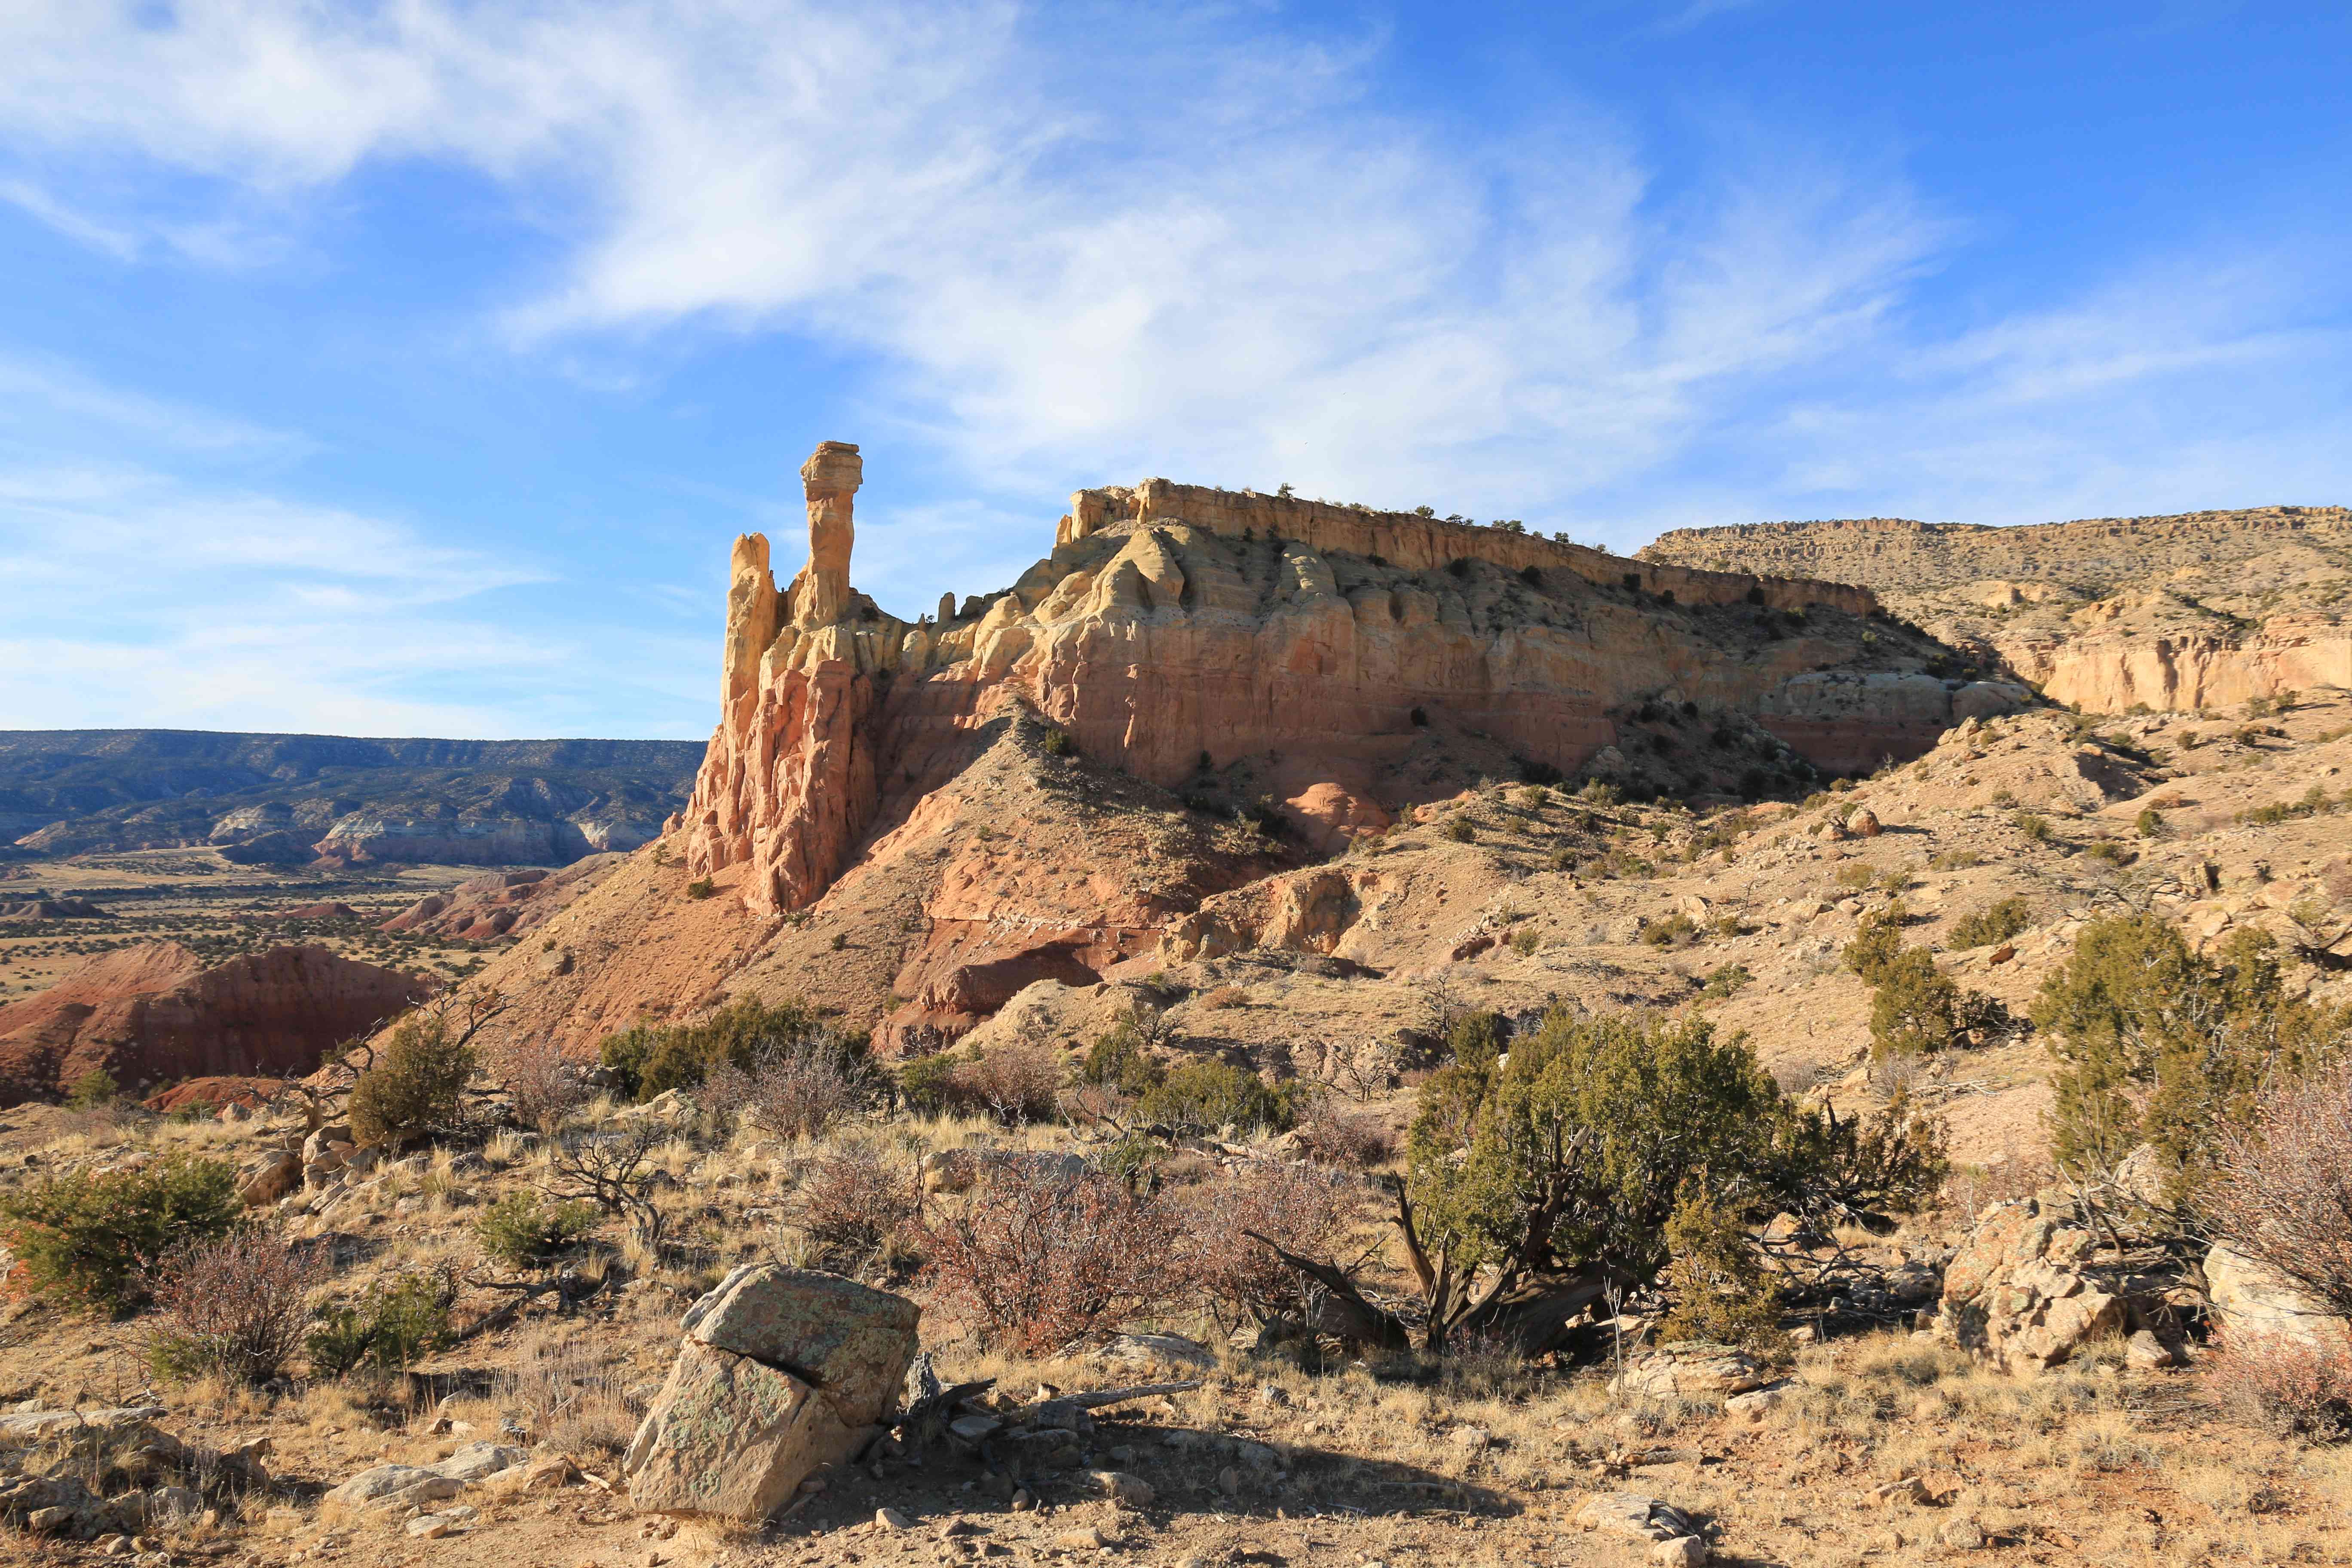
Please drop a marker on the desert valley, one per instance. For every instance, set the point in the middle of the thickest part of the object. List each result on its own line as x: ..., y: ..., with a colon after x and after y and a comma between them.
x: 1293, y: 1033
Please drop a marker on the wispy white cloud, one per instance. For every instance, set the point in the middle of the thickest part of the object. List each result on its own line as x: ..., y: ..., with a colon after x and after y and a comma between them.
x: 1238, y: 264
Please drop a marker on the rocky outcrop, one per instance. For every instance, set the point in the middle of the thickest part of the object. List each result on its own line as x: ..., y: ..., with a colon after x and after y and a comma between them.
x: 1180, y: 634
x: 154, y: 1013
x: 2028, y: 1289
x: 503, y: 903
x: 2199, y: 611
x: 782, y: 1371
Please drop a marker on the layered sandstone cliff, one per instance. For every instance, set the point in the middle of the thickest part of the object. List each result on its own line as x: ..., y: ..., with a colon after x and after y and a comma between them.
x: 2201, y: 610
x: 1183, y: 634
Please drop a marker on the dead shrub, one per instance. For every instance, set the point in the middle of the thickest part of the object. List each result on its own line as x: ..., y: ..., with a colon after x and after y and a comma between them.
x: 1969, y: 1190
x: 2283, y: 1196
x: 543, y: 1087
x: 1224, y: 996
x: 568, y: 1399
x: 801, y: 1090
x: 2284, y: 1385
x: 1301, y: 1209
x: 1039, y: 1260
x: 1015, y: 1083
x: 855, y: 1199
x: 236, y: 1307
x: 1352, y: 1140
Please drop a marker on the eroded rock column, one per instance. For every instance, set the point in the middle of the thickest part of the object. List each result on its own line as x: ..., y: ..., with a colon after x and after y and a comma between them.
x: 830, y: 478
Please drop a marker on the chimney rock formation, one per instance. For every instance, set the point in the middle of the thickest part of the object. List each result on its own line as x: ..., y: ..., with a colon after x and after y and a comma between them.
x: 1177, y: 629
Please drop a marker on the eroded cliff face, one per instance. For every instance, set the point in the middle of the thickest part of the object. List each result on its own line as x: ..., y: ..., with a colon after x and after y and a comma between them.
x: 1181, y: 634
x: 2203, y: 610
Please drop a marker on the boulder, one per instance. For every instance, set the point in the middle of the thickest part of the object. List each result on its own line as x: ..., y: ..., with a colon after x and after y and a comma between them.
x: 1637, y: 1515
x: 1690, y: 1371
x: 960, y: 1170
x: 1170, y: 1353
x: 782, y: 1371
x: 2253, y: 1301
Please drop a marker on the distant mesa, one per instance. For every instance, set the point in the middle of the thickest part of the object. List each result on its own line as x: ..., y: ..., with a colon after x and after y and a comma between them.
x: 156, y: 1012
x: 292, y: 800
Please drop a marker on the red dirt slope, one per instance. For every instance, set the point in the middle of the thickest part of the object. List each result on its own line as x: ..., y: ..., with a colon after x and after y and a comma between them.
x: 153, y: 1014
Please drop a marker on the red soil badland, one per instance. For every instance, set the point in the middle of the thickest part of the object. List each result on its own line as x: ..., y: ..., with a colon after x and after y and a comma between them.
x: 154, y: 1013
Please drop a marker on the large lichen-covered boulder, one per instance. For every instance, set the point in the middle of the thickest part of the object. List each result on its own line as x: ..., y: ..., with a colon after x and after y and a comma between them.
x: 782, y: 1371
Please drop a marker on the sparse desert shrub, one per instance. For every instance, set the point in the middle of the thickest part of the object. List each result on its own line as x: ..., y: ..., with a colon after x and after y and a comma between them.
x: 856, y: 1200
x: 1915, y: 1009
x: 652, y: 1058
x: 1039, y: 1260
x: 233, y: 1306
x: 1015, y: 1082
x: 1995, y: 922
x: 1855, y: 876
x: 2283, y: 1189
x: 87, y: 1239
x: 1305, y: 1211
x: 1058, y: 743
x: 1601, y: 793
x: 522, y: 1230
x: 416, y: 1088
x: 1117, y: 1061
x: 2033, y: 826
x: 2108, y: 851
x: 2156, y: 1043
x: 1224, y: 996
x: 2285, y: 1384
x: 2149, y: 824
x: 390, y: 1329
x: 1525, y: 940
x: 1672, y: 930
x: 1725, y: 982
x: 91, y: 1090
x: 926, y: 1083
x: 1460, y: 829
x: 702, y: 888
x: 543, y: 1087
x: 1353, y: 1141
x: 797, y: 1088
x: 1877, y: 937
x: 1205, y: 1097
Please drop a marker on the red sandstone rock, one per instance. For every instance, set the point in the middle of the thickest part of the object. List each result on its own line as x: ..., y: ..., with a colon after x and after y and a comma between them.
x: 153, y: 1012
x: 1176, y: 630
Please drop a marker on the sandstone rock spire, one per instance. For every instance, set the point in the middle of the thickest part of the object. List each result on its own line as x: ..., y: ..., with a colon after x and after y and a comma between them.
x: 830, y: 477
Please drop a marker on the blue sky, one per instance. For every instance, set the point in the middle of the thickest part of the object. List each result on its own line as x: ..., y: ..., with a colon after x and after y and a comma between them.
x: 409, y: 367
